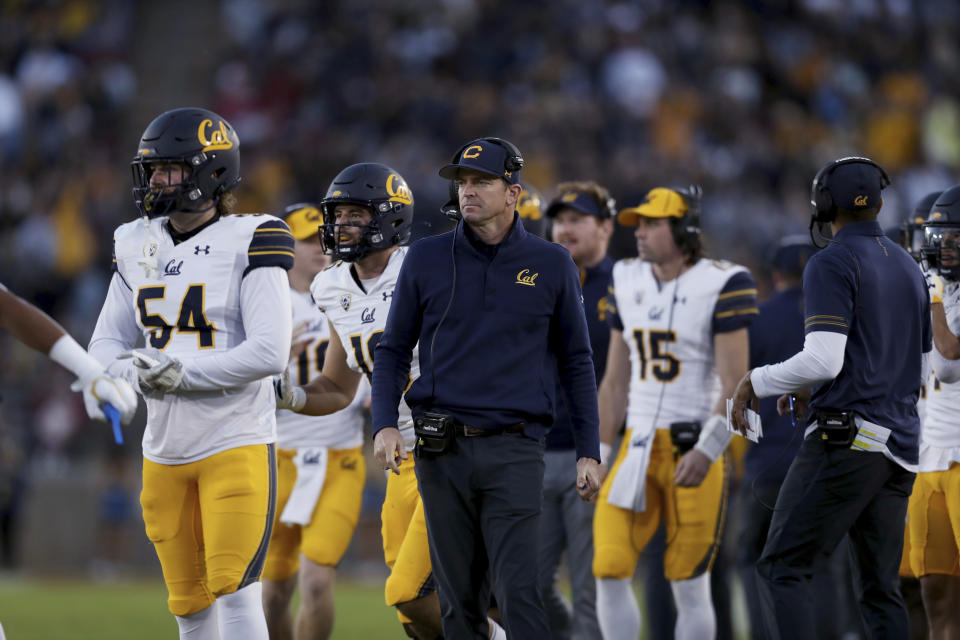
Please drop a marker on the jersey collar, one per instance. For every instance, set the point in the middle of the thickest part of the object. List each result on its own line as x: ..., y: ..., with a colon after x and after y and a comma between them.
x: 862, y: 228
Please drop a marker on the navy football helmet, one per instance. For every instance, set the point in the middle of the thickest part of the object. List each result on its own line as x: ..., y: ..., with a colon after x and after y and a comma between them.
x: 381, y: 190
x: 911, y: 231
x: 941, y: 232
x: 530, y: 208
x: 204, y: 143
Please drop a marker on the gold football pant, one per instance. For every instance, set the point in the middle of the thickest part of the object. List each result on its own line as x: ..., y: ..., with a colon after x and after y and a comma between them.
x: 933, y: 523
x: 694, y: 518
x: 405, y: 547
x: 334, y: 518
x: 210, y: 522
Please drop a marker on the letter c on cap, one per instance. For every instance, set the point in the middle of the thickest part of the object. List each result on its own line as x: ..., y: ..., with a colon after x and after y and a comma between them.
x: 470, y: 153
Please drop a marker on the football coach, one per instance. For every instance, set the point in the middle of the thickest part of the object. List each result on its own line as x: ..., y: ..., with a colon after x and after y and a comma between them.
x: 497, y: 315
x: 867, y: 328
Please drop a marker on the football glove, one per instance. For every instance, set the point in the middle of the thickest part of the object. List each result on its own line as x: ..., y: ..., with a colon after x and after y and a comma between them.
x: 935, y: 286
x: 103, y: 389
x: 289, y: 396
x: 156, y: 370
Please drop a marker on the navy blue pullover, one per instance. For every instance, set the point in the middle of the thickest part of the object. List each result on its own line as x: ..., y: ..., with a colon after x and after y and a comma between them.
x: 515, y: 321
x: 597, y: 304
x: 865, y: 286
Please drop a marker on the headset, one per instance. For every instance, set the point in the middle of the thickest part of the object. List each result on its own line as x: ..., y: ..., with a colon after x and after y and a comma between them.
x: 686, y: 229
x: 824, y: 208
x: 609, y: 205
x: 513, y: 161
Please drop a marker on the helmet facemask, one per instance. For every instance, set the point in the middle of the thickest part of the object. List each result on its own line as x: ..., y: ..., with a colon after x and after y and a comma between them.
x: 371, y: 237
x: 941, y: 249
x: 183, y: 196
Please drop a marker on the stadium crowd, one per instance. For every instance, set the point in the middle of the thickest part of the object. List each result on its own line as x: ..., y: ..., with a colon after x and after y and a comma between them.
x: 747, y: 99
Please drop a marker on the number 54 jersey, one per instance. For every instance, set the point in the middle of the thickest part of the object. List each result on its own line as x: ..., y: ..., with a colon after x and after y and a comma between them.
x: 358, y: 311
x: 193, y: 306
x: 669, y: 327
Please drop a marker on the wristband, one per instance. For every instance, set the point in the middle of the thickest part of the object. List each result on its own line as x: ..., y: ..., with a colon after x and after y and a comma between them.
x: 298, y: 398
x: 65, y: 351
x: 714, y: 437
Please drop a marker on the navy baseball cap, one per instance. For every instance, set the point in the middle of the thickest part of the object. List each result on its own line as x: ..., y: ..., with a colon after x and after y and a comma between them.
x: 855, y: 185
x: 486, y: 156
x: 578, y: 201
x: 792, y: 255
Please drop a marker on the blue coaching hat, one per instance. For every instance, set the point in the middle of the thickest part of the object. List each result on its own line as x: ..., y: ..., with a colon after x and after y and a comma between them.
x: 582, y: 202
x: 856, y: 185
x: 792, y: 255
x: 494, y: 156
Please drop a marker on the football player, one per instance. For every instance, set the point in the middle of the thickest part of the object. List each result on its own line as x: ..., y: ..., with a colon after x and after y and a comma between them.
x: 40, y: 332
x: 933, y: 513
x: 206, y: 291
x: 678, y: 346
x: 320, y: 466
x: 367, y: 215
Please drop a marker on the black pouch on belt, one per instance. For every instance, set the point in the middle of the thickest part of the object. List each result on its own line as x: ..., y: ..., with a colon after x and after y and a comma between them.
x: 837, y: 428
x: 684, y: 435
x: 434, y: 432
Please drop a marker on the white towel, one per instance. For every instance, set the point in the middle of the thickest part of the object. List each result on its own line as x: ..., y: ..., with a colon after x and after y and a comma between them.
x: 628, y: 490
x: 311, y: 472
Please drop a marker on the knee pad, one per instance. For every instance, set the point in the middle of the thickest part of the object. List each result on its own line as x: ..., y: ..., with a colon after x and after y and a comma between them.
x: 613, y: 562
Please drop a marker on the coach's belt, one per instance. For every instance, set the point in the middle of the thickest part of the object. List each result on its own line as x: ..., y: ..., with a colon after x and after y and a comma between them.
x: 467, y: 431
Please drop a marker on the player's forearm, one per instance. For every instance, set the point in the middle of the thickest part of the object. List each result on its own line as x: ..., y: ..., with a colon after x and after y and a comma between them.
x: 323, y: 397
x: 28, y: 324
x: 945, y: 341
x: 265, y: 310
x: 612, y: 401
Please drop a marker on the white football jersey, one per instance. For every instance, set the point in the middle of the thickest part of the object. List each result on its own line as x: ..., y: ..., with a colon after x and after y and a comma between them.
x: 359, y: 316
x: 669, y: 330
x: 340, y: 430
x: 190, y: 308
x: 941, y: 423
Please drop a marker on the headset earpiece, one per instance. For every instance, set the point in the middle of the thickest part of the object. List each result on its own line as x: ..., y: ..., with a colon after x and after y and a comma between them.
x: 514, y: 160
x: 825, y: 209
x: 686, y: 230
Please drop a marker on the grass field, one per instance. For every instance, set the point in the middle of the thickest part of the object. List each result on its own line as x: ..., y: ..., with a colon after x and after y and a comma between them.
x: 62, y: 610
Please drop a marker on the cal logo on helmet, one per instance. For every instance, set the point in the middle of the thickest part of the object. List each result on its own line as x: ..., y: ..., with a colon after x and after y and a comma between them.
x: 218, y: 138
x: 398, y: 190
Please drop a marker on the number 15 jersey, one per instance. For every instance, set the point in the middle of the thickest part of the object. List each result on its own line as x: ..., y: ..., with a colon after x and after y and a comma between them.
x: 669, y: 328
x: 358, y: 311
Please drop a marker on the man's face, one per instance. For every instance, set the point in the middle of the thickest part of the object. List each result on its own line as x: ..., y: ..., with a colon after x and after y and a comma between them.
x: 352, y: 219
x: 655, y: 240
x: 483, y: 196
x: 308, y: 256
x: 950, y: 248
x: 166, y: 175
x: 582, y: 235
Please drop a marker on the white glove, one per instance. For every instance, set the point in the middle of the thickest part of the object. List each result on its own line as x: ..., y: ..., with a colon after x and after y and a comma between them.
x: 156, y: 370
x: 935, y: 286
x: 289, y: 396
x: 103, y: 389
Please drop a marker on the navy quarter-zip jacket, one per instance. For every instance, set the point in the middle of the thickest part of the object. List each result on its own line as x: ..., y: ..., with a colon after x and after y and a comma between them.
x: 511, y: 313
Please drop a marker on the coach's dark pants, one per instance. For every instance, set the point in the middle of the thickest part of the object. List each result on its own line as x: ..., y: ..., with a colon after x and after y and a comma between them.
x: 482, y: 505
x: 828, y: 492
